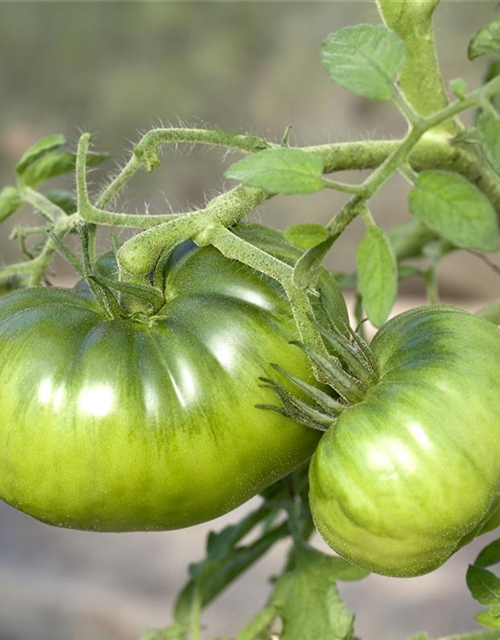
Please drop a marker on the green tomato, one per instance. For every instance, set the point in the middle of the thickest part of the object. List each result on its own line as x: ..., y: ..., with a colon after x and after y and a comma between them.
x: 118, y: 425
x: 411, y: 473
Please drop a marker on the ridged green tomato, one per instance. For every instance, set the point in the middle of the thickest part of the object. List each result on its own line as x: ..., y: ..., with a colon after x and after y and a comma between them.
x: 411, y: 473
x: 117, y: 425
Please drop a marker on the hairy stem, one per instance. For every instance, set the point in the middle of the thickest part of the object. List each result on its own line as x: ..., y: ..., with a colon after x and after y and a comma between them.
x: 146, y: 151
x: 234, y: 248
x: 420, y: 78
x: 398, y: 157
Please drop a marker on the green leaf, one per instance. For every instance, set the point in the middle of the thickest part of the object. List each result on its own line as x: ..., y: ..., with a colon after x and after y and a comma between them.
x: 489, y: 555
x: 286, y: 171
x: 10, y: 202
x: 483, y: 585
x: 146, y: 293
x: 55, y: 164
x: 258, y: 628
x: 365, y: 59
x: 492, y: 72
x: 225, y: 561
x: 307, y: 267
x: 377, y: 274
x: 409, y: 271
x: 308, y: 600
x: 346, y: 280
x: 487, y: 620
x: 409, y: 239
x: 489, y: 133
x: 38, y: 150
x: 65, y: 200
x: 306, y: 235
x: 486, y: 41
x: 455, y: 209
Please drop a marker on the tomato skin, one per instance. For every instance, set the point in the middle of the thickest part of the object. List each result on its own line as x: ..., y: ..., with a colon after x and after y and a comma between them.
x: 411, y: 473
x: 116, y: 425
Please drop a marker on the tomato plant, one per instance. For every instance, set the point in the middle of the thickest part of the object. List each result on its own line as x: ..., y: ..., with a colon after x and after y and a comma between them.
x: 204, y: 361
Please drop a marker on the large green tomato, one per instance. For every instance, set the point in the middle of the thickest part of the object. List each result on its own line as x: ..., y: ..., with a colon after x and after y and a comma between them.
x: 412, y: 473
x: 117, y: 425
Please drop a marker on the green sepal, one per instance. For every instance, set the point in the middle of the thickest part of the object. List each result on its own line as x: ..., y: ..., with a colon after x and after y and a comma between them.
x: 297, y: 409
x: 67, y: 254
x: 345, y: 329
x: 344, y: 384
x: 143, y: 292
x: 350, y: 354
x: 320, y: 397
x: 103, y: 295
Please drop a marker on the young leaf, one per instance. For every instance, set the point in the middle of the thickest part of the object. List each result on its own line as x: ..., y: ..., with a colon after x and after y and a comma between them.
x: 365, y: 59
x: 39, y: 149
x: 455, y: 209
x: 458, y: 86
x: 486, y: 41
x: 377, y: 274
x: 489, y: 132
x: 55, y: 164
x: 284, y: 170
x: 306, y: 235
x: 10, y: 202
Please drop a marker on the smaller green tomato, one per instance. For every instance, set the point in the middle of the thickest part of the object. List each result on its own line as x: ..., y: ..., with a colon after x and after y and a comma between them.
x: 411, y: 473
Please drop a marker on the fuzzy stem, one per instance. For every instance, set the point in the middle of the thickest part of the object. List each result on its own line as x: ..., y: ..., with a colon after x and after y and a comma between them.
x: 392, y: 163
x: 146, y: 151
x: 420, y: 78
x: 235, y: 248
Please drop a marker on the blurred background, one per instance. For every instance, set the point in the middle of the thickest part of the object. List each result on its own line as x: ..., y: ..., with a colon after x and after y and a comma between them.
x: 117, y: 69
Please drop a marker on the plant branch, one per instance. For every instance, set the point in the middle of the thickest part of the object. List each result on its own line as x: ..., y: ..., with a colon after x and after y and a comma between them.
x: 145, y: 153
x: 420, y: 78
x: 35, y: 269
x: 234, y: 248
x: 42, y: 204
x: 400, y: 154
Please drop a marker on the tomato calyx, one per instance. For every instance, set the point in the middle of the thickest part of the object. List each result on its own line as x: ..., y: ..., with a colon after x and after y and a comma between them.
x: 102, y: 286
x: 349, y: 370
